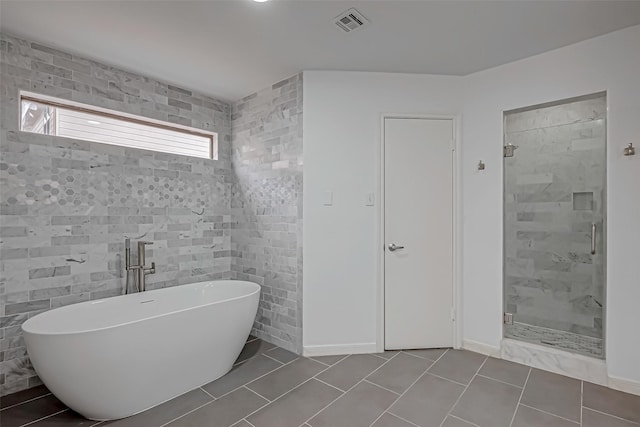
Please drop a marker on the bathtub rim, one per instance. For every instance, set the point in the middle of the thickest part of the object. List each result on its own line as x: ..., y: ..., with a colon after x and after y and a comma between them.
x: 258, y: 289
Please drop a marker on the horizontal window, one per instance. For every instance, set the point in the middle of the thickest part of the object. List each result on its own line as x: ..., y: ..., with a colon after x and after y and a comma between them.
x: 50, y: 116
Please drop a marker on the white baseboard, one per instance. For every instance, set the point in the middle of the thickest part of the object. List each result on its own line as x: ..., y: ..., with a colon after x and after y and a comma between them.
x: 623, y: 384
x: 338, y: 349
x: 478, y: 347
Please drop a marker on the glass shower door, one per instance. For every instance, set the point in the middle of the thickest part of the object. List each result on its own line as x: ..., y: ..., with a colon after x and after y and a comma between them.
x: 554, y: 224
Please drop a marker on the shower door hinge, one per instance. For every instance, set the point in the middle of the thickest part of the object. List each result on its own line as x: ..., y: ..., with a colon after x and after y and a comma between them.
x: 507, y: 318
x: 508, y: 150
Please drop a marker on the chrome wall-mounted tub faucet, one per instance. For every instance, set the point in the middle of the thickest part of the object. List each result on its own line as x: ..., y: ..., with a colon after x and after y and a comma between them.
x: 140, y: 268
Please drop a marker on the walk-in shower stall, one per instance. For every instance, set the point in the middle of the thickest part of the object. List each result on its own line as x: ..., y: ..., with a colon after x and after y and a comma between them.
x: 555, y: 224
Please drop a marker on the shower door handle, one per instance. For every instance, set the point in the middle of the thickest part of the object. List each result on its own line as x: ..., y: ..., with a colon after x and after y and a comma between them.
x: 593, y: 238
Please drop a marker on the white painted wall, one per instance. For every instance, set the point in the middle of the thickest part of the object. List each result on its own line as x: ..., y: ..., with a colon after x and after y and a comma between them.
x: 341, y: 154
x: 342, y: 125
x: 611, y: 63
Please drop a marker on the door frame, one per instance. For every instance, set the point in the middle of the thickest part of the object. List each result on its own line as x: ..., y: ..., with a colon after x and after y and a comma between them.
x: 456, y: 309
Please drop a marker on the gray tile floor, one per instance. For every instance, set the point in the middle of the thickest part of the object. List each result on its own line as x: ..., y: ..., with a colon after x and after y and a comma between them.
x: 271, y: 387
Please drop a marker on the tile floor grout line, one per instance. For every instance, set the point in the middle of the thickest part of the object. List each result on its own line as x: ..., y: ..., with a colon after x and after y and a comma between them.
x: 258, y: 394
x: 325, y: 364
x: 513, y: 417
x: 276, y: 399
x: 259, y: 409
x: 394, y: 415
x: 332, y: 386
x: 344, y: 357
x: 247, y: 421
x: 611, y: 415
x: 186, y: 413
x: 464, y: 391
x: 439, y: 357
x: 379, y: 386
x: 581, y: 400
x: 407, y: 389
x: 264, y: 353
x: 26, y: 401
x: 240, y: 363
x: 273, y: 358
x: 350, y: 388
x: 380, y: 357
x: 43, y: 418
x: 462, y: 419
x: 503, y: 382
x: 447, y: 379
x: 420, y: 357
x: 255, y: 355
x: 548, y: 413
x: 208, y: 394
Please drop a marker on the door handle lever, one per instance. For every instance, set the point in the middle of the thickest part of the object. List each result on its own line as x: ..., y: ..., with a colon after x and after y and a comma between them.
x: 393, y: 247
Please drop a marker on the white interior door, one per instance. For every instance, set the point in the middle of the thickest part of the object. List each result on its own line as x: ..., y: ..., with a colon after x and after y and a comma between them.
x: 418, y: 209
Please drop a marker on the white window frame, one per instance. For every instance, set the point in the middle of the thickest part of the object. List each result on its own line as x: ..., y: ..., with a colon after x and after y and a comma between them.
x: 118, y: 115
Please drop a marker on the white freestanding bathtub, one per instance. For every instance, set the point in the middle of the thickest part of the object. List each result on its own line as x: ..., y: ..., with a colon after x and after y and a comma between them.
x: 115, y: 357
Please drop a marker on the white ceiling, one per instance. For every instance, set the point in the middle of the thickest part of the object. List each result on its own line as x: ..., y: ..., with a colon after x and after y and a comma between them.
x: 229, y: 49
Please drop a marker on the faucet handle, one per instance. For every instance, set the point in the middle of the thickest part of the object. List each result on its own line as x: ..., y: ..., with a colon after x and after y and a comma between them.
x: 144, y: 242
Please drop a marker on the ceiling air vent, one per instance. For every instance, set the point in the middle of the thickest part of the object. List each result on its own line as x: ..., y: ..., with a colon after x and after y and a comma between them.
x: 350, y: 20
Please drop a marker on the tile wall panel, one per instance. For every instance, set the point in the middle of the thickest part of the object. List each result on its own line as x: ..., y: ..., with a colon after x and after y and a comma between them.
x: 67, y: 205
x: 266, y: 206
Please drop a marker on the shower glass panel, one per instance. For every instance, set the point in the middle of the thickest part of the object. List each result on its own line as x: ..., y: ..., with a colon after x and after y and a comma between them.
x: 554, y: 224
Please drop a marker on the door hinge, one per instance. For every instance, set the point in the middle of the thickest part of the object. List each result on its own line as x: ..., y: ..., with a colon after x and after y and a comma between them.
x: 453, y: 145
x: 507, y: 318
x: 453, y: 314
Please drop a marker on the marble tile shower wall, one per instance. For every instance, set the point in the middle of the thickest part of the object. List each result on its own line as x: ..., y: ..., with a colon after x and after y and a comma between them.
x: 554, y: 190
x: 66, y: 205
x: 266, y: 235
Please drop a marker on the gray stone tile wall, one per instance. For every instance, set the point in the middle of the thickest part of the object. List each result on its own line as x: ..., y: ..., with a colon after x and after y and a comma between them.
x: 67, y: 205
x: 266, y: 206
x: 554, y: 190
